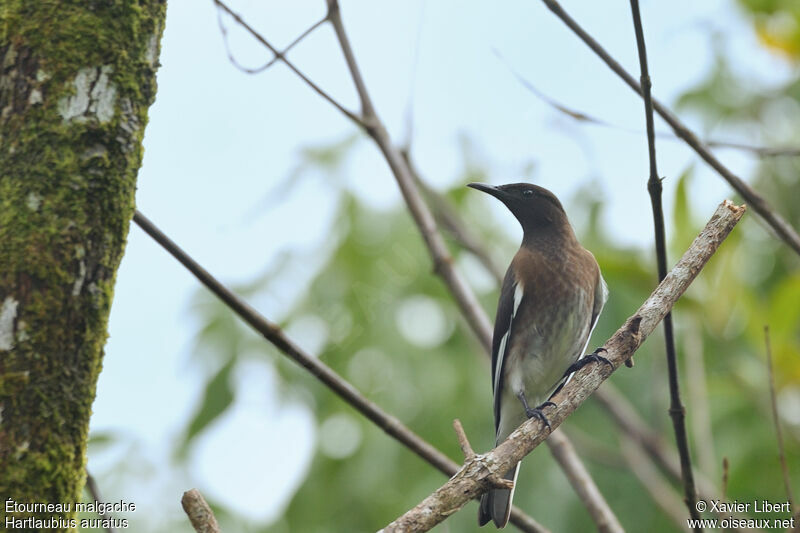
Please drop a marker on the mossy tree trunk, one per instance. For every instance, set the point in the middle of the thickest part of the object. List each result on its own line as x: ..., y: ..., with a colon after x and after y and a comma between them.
x: 77, y: 79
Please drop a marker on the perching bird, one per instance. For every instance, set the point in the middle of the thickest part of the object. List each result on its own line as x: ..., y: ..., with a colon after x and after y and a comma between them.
x: 551, y: 297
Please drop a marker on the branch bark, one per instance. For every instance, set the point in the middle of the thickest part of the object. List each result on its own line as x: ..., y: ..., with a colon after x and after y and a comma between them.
x: 754, y: 200
x: 200, y: 514
x: 471, y: 479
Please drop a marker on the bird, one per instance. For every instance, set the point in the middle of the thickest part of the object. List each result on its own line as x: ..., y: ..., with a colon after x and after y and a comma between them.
x: 550, y: 300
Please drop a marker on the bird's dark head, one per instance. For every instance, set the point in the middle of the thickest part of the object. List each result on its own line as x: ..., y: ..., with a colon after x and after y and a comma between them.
x: 537, y: 209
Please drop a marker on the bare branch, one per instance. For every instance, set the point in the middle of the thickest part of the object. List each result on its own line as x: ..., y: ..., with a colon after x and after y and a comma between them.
x: 698, y: 397
x: 496, y: 482
x: 761, y: 151
x: 426, y: 223
x: 445, y: 215
x: 676, y: 410
x: 367, y: 109
x: 200, y: 514
x: 783, y: 229
x: 463, y: 442
x: 279, y: 55
x: 442, y: 259
x: 638, y: 433
x: 91, y: 485
x: 602, y: 515
x: 725, y: 467
x: 272, y: 333
x: 470, y: 479
x: 661, y: 492
x: 787, y: 482
x: 587, y: 118
x: 224, y: 31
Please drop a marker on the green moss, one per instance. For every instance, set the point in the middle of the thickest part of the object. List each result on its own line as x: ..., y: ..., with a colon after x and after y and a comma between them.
x: 66, y: 199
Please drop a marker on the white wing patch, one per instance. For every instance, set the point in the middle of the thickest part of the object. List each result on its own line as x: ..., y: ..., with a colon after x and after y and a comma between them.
x: 517, y: 299
x: 501, y: 352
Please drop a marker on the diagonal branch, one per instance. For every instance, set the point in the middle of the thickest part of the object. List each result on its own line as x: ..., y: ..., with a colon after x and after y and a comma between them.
x: 422, y: 216
x: 676, y: 409
x: 569, y: 461
x: 471, y: 479
x: 273, y: 334
x: 449, y: 219
x: 783, y: 229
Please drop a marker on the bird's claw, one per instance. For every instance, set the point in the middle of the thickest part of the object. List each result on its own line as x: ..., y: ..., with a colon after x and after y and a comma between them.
x: 593, y: 357
x: 538, y: 414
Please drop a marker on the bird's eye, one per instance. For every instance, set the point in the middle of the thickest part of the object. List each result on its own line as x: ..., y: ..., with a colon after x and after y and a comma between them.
x: 527, y: 193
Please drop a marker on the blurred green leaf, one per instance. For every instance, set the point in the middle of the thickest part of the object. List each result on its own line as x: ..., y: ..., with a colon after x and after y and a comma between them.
x: 217, y: 397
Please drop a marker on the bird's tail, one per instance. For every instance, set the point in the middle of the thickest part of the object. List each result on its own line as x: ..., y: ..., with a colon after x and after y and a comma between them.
x: 496, y: 504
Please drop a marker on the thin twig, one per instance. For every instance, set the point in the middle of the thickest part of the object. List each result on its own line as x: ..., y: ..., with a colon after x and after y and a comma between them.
x: 279, y: 55
x: 661, y: 492
x: 94, y: 491
x: 587, y: 118
x: 276, y: 336
x: 776, y: 420
x: 469, y: 481
x: 604, y: 518
x: 496, y: 482
x: 632, y: 425
x: 199, y: 512
x: 784, y: 230
x: 367, y: 109
x: 273, y: 334
x: 412, y: 82
x: 761, y: 151
x: 725, y: 467
x: 676, y: 409
x: 437, y: 248
x: 224, y: 31
x: 422, y: 216
x: 448, y: 217
x: 463, y: 441
x: 698, y: 397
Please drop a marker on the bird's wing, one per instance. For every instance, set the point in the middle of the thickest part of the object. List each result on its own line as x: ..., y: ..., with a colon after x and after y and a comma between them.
x: 600, y: 297
x: 510, y: 298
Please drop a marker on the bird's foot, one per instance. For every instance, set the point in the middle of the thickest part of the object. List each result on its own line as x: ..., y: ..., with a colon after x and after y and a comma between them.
x: 538, y: 414
x: 593, y: 357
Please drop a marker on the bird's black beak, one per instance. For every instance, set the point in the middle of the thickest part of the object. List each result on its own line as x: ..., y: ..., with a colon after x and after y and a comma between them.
x: 488, y: 189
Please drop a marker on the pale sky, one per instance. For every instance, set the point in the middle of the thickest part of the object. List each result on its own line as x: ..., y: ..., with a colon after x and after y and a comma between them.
x: 220, y: 140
